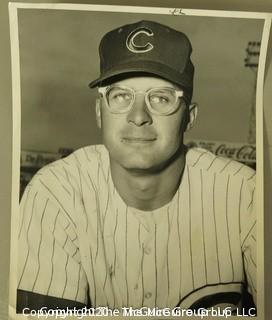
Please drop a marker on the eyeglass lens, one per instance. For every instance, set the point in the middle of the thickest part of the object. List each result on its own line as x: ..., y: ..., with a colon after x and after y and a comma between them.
x: 160, y: 100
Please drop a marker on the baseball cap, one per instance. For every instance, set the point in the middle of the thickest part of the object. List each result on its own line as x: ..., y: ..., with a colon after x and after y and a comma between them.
x: 146, y: 47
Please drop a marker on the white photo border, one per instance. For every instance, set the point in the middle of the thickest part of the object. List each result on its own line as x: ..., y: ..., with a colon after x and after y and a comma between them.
x: 16, y: 110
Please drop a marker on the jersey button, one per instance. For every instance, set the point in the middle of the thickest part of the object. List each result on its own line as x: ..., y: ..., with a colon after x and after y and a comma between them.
x: 148, y: 295
x: 147, y: 250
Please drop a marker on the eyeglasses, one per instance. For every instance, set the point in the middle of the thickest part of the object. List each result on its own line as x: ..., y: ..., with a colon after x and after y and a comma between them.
x: 160, y: 101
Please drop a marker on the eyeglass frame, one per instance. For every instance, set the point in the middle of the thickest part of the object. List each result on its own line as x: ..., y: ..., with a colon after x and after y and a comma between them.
x: 104, y: 90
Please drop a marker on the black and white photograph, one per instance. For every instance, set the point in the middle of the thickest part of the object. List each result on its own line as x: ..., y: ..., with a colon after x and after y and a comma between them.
x: 137, y: 160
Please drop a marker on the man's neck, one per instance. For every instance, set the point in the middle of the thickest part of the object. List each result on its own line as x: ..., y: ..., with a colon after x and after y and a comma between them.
x: 148, y: 191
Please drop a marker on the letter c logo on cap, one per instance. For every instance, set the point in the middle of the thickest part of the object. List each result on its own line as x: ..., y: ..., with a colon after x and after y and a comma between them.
x: 133, y: 47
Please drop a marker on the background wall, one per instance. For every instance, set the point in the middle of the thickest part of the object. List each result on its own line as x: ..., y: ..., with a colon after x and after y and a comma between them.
x: 6, y: 133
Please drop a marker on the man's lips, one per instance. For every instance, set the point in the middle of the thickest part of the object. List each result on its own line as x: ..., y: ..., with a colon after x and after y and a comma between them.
x: 136, y: 139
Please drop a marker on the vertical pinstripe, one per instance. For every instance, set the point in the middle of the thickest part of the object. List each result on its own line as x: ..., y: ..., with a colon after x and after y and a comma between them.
x: 212, y: 162
x: 126, y: 256
x: 94, y: 279
x: 252, y: 198
x: 239, y: 169
x: 249, y: 277
x: 114, y: 239
x: 52, y: 268
x: 86, y: 154
x: 225, y: 166
x: 252, y: 260
x: 53, y: 251
x: 66, y: 162
x: 77, y: 291
x: 190, y: 223
x: 216, y: 234
x: 179, y: 242
x: 65, y: 284
x: 139, y: 235
x: 60, y: 181
x: 227, y: 219
x: 240, y: 202
x: 101, y: 162
x: 115, y: 249
x: 203, y: 232
x: 199, y: 157
x: 97, y: 226
x: 39, y: 247
x: 142, y: 273
x: 252, y: 176
x: 80, y: 183
x: 32, y: 210
x: 105, y: 281
x: 106, y: 211
x: 167, y: 254
x: 156, y: 270
x: 248, y: 233
x: 77, y: 160
x: 23, y: 210
x: 98, y: 175
x: 98, y: 212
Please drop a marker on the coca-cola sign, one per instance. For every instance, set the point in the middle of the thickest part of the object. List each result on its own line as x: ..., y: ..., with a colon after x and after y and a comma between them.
x: 236, y: 151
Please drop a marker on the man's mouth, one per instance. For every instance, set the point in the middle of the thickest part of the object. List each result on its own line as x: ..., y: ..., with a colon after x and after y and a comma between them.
x: 142, y: 140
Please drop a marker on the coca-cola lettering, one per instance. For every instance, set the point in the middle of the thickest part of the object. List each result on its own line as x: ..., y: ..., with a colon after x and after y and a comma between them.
x: 247, y: 153
x: 244, y: 153
x: 223, y: 150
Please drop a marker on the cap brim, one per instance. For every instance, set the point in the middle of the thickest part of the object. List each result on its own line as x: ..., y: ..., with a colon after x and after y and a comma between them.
x: 149, y: 67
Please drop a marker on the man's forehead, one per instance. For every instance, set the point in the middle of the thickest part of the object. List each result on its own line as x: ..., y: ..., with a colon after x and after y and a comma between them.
x: 144, y: 82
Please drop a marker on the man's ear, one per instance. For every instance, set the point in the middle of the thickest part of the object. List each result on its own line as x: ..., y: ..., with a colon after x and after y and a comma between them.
x: 98, y: 112
x: 193, y: 109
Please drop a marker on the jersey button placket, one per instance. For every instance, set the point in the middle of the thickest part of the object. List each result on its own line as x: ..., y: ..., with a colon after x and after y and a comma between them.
x: 148, y: 295
x: 149, y: 271
x: 147, y: 250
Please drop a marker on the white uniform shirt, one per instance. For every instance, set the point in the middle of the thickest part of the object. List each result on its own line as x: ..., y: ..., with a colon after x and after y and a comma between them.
x: 78, y: 237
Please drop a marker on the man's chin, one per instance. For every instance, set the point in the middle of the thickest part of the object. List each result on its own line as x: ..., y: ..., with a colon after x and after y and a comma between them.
x: 138, y: 166
x: 144, y: 166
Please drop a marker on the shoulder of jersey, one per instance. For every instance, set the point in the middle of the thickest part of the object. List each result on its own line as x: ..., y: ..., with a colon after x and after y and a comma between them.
x: 206, y: 160
x: 85, y: 157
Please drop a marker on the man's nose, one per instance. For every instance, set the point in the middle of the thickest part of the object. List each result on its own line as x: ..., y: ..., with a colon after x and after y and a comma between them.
x: 139, y: 114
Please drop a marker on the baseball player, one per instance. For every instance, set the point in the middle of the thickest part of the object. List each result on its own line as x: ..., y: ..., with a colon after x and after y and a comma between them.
x: 141, y: 220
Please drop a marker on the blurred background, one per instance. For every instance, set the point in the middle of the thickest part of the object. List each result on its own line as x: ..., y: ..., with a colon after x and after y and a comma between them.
x: 59, y: 57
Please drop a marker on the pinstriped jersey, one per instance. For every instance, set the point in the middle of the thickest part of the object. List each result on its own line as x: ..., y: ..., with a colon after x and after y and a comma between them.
x: 77, y: 237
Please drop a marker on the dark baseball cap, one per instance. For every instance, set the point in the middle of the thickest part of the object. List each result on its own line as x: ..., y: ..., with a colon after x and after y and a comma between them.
x: 146, y: 47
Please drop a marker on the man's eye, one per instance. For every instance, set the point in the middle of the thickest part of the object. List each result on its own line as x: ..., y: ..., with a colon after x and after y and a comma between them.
x: 159, y: 99
x: 120, y: 96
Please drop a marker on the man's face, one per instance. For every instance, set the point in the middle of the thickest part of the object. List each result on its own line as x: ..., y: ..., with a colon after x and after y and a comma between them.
x: 139, y: 140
